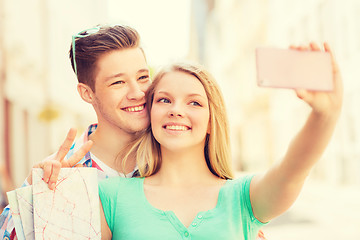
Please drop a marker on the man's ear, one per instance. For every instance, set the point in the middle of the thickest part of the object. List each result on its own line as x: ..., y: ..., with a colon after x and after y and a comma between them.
x: 86, y: 93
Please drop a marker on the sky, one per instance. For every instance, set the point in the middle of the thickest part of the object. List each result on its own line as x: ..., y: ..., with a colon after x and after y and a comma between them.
x: 162, y: 24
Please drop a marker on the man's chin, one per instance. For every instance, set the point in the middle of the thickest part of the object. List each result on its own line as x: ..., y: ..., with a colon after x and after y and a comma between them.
x: 139, y: 129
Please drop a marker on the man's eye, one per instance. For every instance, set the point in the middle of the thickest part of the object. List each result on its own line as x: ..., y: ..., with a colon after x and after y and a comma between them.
x: 144, y: 78
x: 118, y: 82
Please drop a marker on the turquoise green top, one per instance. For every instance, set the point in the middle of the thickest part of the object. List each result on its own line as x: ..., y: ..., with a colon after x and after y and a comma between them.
x: 130, y: 216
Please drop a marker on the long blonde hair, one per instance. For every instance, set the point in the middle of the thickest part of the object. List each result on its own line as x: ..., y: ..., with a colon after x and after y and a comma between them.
x: 217, y: 144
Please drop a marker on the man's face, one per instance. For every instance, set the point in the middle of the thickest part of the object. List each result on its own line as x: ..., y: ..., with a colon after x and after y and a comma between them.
x: 120, y: 84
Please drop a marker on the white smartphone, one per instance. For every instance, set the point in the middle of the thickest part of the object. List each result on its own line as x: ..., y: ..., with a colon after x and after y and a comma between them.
x: 288, y: 68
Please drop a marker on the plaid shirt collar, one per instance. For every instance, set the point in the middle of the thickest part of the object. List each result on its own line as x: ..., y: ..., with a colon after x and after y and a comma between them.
x: 87, y: 161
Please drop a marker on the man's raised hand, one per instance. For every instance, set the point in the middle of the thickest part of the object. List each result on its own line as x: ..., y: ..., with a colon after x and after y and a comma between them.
x: 55, y: 162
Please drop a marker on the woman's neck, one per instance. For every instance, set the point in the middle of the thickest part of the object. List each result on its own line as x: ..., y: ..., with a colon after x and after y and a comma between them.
x: 182, y: 168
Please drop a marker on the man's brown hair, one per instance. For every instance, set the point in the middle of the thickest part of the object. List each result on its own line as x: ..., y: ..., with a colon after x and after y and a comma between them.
x: 90, y: 48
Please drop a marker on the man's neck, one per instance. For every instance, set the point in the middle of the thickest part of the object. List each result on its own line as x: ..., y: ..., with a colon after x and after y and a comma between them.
x: 108, y: 143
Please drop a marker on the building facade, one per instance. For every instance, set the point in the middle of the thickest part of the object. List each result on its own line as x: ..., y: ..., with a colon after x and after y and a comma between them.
x: 38, y: 96
x: 263, y: 121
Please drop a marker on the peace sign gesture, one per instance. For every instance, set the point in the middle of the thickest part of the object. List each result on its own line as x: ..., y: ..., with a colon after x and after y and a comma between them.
x: 52, y: 164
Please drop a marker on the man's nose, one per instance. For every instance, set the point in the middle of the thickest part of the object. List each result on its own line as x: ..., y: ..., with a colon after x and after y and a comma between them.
x: 135, y: 92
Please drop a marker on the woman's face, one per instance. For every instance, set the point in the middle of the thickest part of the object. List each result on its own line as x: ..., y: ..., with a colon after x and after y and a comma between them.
x: 180, y: 112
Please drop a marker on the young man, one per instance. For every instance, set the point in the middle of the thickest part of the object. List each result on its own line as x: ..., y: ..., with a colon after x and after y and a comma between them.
x: 113, y: 77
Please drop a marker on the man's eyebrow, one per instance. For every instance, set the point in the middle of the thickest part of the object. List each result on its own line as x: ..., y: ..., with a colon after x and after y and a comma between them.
x: 114, y: 76
x: 122, y: 74
x: 144, y: 70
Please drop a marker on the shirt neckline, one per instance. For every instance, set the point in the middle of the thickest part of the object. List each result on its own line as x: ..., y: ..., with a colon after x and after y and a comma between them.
x: 201, y: 214
x: 110, y: 172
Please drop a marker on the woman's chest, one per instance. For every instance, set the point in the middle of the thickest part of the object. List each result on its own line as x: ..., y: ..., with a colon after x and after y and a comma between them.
x: 184, y: 203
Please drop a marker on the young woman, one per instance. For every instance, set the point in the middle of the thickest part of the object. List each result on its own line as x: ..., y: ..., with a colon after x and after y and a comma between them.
x: 186, y: 189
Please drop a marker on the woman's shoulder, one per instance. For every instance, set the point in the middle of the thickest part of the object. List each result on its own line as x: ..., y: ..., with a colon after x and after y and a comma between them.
x: 240, y: 183
x: 241, y: 179
x: 119, y: 188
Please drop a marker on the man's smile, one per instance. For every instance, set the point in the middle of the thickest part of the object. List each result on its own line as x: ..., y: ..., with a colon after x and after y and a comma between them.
x: 138, y: 108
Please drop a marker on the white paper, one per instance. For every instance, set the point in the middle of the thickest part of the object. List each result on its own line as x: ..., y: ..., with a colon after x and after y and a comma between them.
x: 71, y: 210
x: 25, y: 201
x: 14, y: 208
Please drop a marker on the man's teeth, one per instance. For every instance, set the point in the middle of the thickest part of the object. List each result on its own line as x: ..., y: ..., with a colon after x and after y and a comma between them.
x: 176, y: 127
x: 134, y: 109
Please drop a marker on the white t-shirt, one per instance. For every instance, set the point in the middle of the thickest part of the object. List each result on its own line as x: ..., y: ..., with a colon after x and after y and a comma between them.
x: 108, y: 171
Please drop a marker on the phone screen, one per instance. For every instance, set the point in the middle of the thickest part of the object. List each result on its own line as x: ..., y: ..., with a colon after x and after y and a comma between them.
x: 288, y: 68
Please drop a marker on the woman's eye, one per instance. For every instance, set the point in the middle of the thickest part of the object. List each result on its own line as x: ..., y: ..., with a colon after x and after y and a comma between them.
x: 163, y: 100
x: 195, y: 103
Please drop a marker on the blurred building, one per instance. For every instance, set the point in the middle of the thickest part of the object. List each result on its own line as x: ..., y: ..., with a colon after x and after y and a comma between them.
x: 38, y: 97
x: 39, y: 102
x: 263, y: 121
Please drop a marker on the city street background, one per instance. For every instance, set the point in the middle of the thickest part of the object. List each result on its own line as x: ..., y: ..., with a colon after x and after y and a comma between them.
x: 321, y: 212
x: 39, y: 101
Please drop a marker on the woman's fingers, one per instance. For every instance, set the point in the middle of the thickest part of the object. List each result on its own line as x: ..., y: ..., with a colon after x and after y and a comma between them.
x: 314, y: 47
x: 334, y: 63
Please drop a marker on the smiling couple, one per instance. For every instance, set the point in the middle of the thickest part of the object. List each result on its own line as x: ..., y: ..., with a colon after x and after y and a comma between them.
x: 173, y: 179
